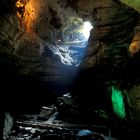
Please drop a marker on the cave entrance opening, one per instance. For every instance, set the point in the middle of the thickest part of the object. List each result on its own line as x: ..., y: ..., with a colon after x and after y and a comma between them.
x: 70, y: 47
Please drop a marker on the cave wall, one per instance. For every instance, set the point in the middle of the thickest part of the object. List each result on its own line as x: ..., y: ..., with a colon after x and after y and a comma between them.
x: 135, y: 4
x: 113, y: 52
x: 115, y: 35
x: 114, y: 28
x: 113, y: 47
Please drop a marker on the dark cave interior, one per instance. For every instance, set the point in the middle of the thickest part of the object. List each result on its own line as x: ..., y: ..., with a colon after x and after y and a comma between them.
x: 69, y: 69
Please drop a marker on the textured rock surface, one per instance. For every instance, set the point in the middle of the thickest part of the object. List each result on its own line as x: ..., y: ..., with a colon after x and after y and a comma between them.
x: 114, y: 26
x: 135, y: 102
x: 113, y: 47
x: 135, y: 4
x: 113, y: 30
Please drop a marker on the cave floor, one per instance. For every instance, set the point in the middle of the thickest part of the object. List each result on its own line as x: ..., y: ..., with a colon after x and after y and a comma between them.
x: 42, y: 127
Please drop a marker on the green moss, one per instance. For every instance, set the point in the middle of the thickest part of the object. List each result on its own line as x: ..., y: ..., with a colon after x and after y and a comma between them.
x: 118, y: 103
x: 133, y: 3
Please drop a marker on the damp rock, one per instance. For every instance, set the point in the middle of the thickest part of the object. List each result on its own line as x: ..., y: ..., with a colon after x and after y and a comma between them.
x: 84, y: 132
x: 46, y: 112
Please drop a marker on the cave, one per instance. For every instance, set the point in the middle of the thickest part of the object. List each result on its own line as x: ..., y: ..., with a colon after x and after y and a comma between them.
x: 69, y: 69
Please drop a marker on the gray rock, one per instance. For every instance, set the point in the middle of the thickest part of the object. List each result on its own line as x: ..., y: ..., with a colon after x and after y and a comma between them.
x: 46, y: 112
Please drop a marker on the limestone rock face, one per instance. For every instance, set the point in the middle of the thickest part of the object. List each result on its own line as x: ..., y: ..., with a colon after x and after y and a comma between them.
x: 113, y: 28
x: 36, y: 38
x: 135, y: 4
x: 25, y: 37
x: 134, y: 96
x: 114, y: 25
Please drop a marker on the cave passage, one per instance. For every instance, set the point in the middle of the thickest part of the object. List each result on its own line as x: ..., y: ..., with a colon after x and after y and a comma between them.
x: 61, y: 73
x: 73, y: 42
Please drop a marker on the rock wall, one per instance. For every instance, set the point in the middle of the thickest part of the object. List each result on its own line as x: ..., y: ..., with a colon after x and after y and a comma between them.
x: 113, y: 47
x: 114, y: 28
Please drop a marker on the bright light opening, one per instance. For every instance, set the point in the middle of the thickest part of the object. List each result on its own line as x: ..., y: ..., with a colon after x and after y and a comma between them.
x: 72, y: 42
x: 86, y: 29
